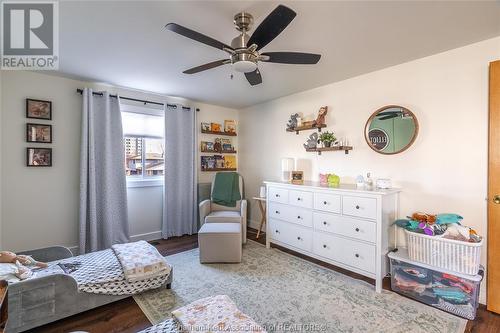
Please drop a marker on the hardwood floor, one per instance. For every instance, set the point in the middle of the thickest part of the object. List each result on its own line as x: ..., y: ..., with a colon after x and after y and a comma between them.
x: 126, y: 317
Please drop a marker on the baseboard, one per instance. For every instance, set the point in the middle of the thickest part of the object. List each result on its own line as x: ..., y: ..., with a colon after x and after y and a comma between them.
x: 149, y: 236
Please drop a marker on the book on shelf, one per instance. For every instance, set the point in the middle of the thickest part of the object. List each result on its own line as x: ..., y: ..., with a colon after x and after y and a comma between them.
x: 205, y: 126
x: 230, y: 161
x: 229, y: 126
x: 215, y: 127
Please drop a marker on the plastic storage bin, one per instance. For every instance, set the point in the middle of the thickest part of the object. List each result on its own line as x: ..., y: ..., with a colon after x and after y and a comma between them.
x: 454, y: 293
x: 452, y: 255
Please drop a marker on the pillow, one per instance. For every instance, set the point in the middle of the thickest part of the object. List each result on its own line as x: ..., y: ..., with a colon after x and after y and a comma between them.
x: 215, y: 314
x: 8, y: 272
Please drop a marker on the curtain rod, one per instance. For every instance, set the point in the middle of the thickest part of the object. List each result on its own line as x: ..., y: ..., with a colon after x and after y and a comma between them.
x: 80, y: 91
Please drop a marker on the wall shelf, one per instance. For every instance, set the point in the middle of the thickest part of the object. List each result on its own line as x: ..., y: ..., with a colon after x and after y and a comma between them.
x: 305, y: 128
x: 218, y: 133
x: 217, y: 152
x: 319, y: 150
x: 219, y: 169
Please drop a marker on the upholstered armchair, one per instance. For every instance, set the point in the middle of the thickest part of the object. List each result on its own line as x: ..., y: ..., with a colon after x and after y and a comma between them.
x: 211, y: 212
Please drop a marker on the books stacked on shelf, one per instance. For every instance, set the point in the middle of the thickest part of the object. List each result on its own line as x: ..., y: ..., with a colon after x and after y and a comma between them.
x: 220, y: 145
x: 218, y: 163
x: 216, y: 128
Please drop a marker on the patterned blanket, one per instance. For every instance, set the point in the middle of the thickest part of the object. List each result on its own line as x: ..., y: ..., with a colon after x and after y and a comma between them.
x: 101, y: 273
x: 140, y: 261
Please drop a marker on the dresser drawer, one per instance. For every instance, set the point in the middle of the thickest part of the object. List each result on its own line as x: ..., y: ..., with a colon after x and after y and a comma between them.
x: 345, y: 226
x: 300, y: 198
x: 359, y: 207
x: 277, y: 194
x: 291, y: 234
x: 348, y: 252
x: 292, y: 214
x: 327, y: 202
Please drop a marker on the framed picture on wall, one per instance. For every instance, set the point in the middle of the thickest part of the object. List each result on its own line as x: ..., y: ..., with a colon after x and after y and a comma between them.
x: 38, y: 109
x: 39, y: 157
x: 39, y: 133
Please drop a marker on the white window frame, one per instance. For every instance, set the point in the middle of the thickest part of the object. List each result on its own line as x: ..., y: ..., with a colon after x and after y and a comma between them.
x: 143, y: 181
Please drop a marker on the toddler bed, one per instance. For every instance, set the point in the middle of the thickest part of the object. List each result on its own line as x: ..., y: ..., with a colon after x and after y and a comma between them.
x: 70, y: 285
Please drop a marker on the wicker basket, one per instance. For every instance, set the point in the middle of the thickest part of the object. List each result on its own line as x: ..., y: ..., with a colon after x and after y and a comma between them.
x: 453, y: 255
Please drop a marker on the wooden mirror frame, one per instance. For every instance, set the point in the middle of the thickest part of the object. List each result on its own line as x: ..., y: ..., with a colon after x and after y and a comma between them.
x: 374, y: 114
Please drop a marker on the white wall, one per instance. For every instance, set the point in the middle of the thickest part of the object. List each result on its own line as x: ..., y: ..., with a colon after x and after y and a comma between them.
x: 41, y: 204
x: 446, y: 168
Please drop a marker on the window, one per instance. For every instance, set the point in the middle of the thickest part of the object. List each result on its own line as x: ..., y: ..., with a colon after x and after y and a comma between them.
x: 143, y: 130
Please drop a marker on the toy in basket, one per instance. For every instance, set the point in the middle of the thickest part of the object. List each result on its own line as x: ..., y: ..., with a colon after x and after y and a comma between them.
x: 442, y: 241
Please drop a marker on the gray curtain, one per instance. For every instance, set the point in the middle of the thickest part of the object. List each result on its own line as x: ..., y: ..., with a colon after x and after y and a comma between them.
x: 180, y: 190
x: 103, y: 191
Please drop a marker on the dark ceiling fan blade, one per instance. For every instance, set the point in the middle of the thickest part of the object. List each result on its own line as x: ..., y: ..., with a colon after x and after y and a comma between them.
x: 254, y: 77
x: 292, y: 58
x: 204, y: 67
x: 272, y: 26
x: 196, y: 36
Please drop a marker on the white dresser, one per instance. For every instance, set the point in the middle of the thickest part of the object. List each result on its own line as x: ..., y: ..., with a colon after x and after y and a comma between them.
x: 343, y: 226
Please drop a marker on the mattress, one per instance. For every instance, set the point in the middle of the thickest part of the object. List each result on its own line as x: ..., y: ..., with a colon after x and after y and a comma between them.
x: 100, y: 273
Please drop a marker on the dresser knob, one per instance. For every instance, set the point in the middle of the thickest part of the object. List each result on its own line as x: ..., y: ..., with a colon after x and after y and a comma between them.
x: 324, y: 246
x: 299, y: 238
x: 298, y: 199
x: 324, y: 223
x: 357, y: 255
x: 324, y: 202
x: 277, y: 231
x: 277, y: 195
x: 357, y: 207
x: 277, y: 212
x: 357, y: 229
x: 299, y: 217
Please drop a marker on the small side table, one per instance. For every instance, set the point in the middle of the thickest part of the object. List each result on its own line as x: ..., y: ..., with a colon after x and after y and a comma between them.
x: 262, y: 207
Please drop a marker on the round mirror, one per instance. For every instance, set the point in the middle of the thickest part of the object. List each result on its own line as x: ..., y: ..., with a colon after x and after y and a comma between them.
x: 391, y: 129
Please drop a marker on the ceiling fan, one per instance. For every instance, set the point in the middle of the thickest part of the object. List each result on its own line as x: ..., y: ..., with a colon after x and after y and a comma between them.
x: 244, y: 53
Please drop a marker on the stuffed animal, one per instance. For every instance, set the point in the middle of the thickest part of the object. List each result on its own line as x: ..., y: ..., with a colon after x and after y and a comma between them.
x: 312, y: 142
x: 292, y: 122
x: 12, y: 258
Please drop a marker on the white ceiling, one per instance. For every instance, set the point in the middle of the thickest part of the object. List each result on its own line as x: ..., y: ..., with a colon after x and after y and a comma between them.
x: 124, y: 43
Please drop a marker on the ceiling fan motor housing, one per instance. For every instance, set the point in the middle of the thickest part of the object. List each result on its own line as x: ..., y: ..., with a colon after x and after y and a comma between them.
x: 243, y: 21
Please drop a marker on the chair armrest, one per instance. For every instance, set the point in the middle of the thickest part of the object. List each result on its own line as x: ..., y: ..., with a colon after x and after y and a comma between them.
x: 243, y: 213
x: 205, y: 209
x: 51, y: 253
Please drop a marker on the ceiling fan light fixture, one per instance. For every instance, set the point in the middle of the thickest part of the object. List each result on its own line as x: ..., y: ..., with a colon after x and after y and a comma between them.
x: 245, y: 66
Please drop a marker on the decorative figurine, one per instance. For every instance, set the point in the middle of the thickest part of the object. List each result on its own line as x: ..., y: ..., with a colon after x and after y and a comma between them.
x: 323, y: 179
x: 320, y: 120
x: 312, y: 141
x: 333, y: 180
x: 368, y: 182
x: 292, y: 122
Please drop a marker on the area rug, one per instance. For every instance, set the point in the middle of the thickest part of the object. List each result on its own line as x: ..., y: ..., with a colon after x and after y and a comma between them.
x: 284, y: 293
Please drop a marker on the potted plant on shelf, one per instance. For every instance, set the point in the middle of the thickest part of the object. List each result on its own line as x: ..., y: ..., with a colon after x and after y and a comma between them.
x: 327, y: 138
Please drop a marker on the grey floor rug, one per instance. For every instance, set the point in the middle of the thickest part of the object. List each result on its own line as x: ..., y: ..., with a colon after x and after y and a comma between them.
x: 288, y: 294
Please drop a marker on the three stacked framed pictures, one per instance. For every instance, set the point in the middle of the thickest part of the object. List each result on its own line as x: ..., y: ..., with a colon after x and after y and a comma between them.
x: 38, y: 133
